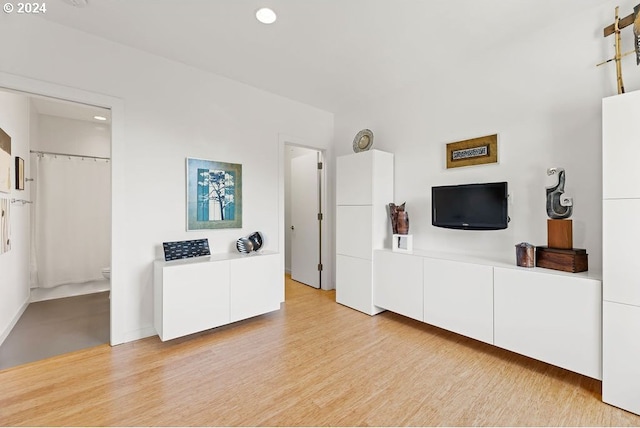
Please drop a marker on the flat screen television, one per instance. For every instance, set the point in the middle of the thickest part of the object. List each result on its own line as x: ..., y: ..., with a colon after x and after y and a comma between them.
x: 481, y: 206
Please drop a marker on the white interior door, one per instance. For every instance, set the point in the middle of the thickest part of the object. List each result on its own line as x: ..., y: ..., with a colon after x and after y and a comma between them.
x: 305, y: 228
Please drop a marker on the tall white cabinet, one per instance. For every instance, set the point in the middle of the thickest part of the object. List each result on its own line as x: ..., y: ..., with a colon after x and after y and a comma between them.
x: 620, y: 237
x: 364, y: 188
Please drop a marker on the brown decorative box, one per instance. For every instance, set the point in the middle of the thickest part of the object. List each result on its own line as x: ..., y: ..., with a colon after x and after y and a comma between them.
x: 573, y: 260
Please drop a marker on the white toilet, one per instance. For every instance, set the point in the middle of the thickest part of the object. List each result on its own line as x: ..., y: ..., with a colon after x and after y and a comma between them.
x: 106, y: 272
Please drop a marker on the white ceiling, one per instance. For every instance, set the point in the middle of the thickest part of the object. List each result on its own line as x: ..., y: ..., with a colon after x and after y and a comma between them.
x: 320, y: 52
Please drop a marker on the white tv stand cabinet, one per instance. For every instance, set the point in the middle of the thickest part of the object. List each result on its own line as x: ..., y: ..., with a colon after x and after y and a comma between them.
x: 192, y: 295
x: 549, y: 315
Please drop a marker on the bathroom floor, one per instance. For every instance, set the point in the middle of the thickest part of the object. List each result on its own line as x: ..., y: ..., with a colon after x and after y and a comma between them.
x: 55, y: 327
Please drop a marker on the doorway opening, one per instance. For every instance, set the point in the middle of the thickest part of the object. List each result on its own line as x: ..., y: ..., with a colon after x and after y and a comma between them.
x: 67, y: 210
x: 304, y: 214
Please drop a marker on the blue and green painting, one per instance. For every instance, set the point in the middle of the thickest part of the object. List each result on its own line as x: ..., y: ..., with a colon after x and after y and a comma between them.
x: 213, y: 194
x: 216, y: 191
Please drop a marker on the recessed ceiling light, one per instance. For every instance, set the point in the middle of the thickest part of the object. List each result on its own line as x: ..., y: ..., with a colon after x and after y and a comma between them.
x: 99, y: 118
x: 266, y: 15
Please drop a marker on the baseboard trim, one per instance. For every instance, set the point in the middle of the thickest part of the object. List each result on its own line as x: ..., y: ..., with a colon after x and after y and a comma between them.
x: 134, y: 335
x: 14, y: 321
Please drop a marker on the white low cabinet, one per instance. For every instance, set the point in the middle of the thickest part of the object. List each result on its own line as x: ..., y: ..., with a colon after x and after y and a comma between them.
x: 397, y: 283
x: 551, y: 317
x: 458, y: 297
x: 193, y: 295
x: 548, y: 315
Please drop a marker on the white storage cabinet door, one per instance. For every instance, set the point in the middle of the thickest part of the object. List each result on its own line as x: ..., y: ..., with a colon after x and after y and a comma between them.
x: 398, y: 284
x: 620, y: 233
x: 458, y: 296
x: 195, y: 297
x: 255, y: 285
x: 353, y: 231
x: 620, y: 148
x: 621, y: 356
x: 354, y: 185
x: 549, y: 317
x: 353, y: 284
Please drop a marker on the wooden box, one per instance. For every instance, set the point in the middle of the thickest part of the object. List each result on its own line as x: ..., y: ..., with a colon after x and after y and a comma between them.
x: 573, y: 260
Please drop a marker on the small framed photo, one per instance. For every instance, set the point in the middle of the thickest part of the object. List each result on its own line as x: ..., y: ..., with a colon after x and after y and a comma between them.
x: 19, y: 173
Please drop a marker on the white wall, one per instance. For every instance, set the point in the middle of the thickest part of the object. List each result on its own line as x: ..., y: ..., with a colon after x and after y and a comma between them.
x: 78, y: 137
x: 14, y: 264
x: 541, y: 93
x: 171, y: 112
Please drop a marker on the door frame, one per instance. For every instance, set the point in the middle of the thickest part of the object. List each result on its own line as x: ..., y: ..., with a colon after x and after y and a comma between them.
x: 35, y: 87
x: 288, y: 140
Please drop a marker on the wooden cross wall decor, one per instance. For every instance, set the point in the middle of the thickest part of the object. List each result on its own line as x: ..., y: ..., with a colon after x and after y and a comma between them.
x: 615, y: 28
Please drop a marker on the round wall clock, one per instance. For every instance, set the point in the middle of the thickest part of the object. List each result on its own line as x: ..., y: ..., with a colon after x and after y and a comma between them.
x: 363, y: 141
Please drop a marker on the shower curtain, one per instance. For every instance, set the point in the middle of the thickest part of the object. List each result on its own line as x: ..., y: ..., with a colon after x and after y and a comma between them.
x: 71, y: 225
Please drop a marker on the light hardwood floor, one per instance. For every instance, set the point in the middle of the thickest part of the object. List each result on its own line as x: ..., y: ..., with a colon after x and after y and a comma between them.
x: 313, y: 363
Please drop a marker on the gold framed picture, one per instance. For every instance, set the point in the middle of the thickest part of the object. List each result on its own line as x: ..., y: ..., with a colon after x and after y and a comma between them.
x: 475, y: 151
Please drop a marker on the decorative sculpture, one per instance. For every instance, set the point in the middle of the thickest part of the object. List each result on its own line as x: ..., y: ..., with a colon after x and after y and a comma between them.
x: 393, y: 214
x: 249, y: 243
x: 559, y: 206
x: 399, y: 219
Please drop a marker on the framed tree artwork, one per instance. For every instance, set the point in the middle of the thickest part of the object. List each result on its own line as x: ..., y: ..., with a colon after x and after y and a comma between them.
x: 214, y: 195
